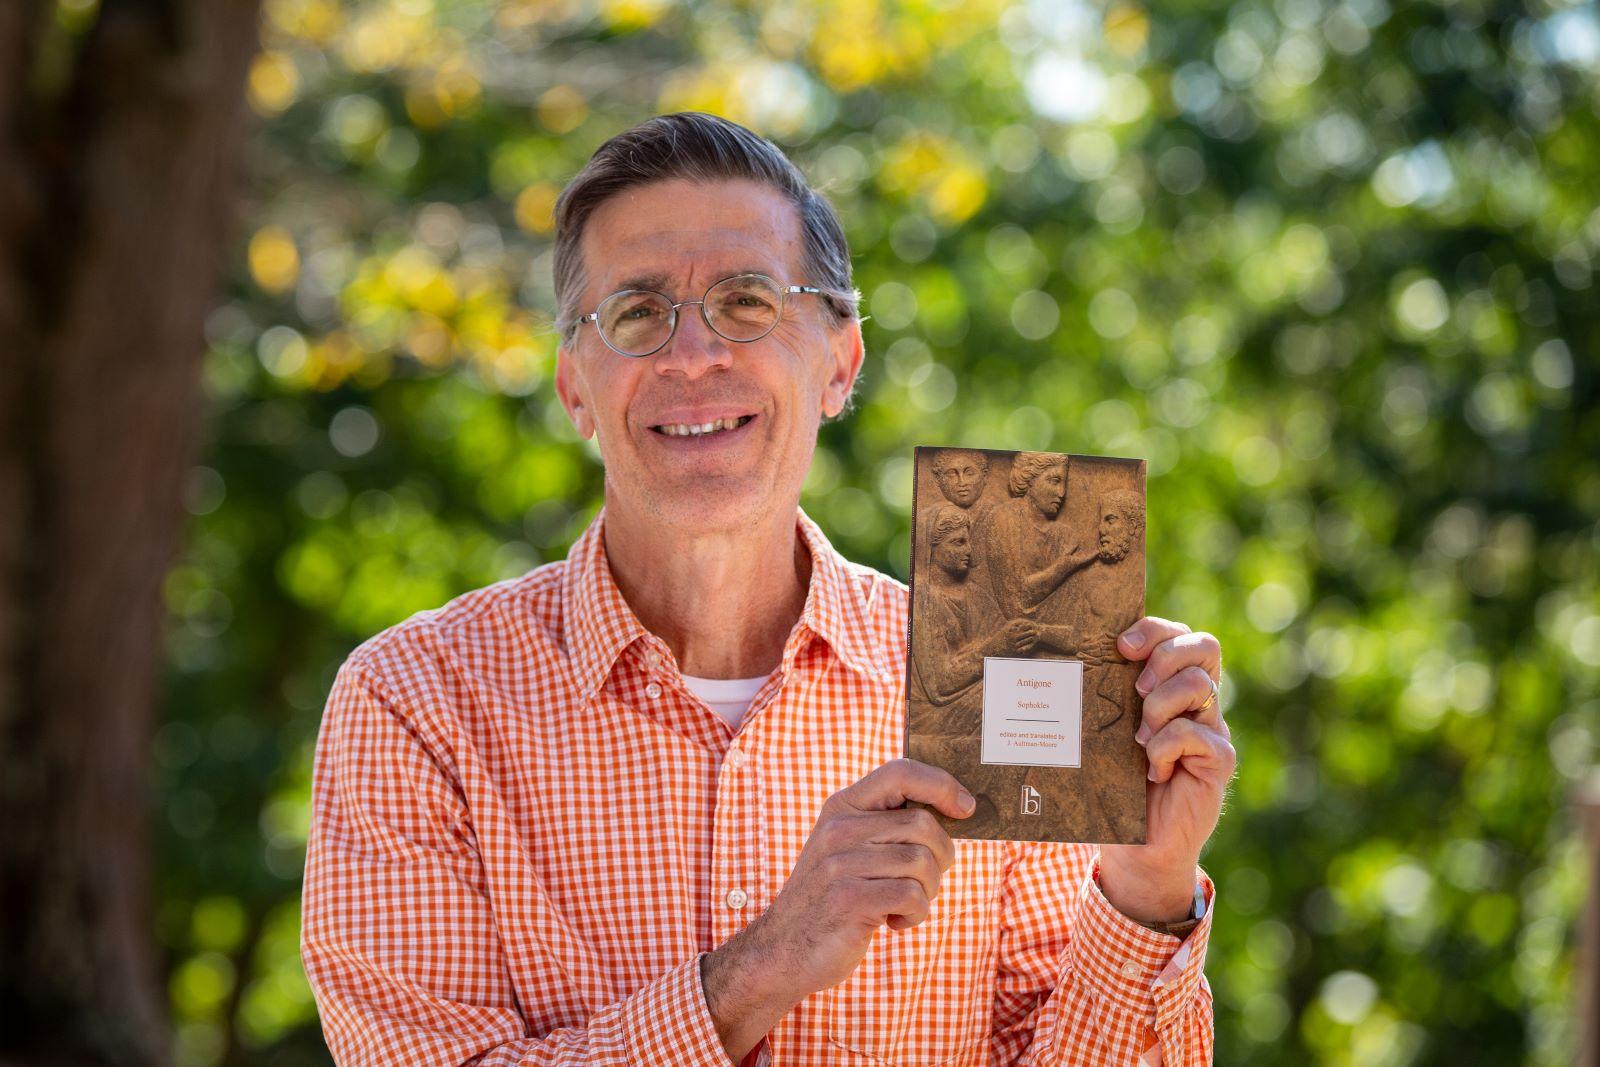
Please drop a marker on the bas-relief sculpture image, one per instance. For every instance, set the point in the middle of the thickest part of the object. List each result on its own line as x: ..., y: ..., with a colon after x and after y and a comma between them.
x: 1028, y: 555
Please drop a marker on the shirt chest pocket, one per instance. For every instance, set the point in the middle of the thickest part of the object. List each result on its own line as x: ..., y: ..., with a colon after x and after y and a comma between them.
x: 925, y: 995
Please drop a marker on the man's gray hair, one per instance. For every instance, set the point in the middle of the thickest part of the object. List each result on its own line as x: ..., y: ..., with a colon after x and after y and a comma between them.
x: 694, y: 146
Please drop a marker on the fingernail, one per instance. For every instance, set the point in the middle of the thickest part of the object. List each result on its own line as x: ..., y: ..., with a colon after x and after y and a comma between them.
x: 964, y: 799
x: 1143, y: 684
x: 1134, y: 638
x: 1152, y: 774
x: 1143, y: 736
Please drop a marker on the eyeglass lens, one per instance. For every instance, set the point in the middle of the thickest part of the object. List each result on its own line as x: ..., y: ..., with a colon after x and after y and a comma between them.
x: 743, y: 308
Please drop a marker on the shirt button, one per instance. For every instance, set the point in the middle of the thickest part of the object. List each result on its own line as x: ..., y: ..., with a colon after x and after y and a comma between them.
x: 737, y: 759
x: 1131, y: 969
x: 737, y: 899
x: 653, y: 691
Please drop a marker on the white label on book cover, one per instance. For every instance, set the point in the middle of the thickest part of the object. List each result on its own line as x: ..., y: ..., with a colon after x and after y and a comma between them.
x: 1032, y: 712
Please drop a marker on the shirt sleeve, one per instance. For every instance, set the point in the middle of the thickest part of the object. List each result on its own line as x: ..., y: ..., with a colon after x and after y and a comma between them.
x: 398, y: 938
x: 1079, y: 983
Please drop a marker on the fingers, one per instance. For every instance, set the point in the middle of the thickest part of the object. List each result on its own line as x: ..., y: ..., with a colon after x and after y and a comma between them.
x: 1177, y: 679
x: 1205, y: 753
x: 900, y: 902
x: 900, y: 780
x: 1182, y: 650
x: 899, y: 860
x: 892, y: 877
x: 911, y: 826
x: 865, y: 887
x: 1189, y: 690
x: 1137, y: 640
x: 1024, y: 634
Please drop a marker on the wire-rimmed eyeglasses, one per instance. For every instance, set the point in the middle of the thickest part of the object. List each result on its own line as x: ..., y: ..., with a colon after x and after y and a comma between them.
x: 640, y: 322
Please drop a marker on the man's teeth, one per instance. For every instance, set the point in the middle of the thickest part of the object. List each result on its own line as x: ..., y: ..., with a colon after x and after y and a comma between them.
x: 695, y: 429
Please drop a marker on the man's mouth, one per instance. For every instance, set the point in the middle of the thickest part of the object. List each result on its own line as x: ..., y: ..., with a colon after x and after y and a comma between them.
x: 701, y: 429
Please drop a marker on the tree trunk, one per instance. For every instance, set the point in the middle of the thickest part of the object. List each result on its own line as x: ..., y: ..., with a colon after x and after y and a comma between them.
x: 117, y: 183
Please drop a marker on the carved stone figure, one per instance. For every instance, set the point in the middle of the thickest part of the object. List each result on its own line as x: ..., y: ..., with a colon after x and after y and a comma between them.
x: 1103, y: 599
x: 960, y: 625
x: 1033, y: 552
x: 960, y: 474
x: 957, y: 625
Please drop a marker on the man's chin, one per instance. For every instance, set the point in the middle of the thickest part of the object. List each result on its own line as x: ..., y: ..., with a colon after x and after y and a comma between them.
x: 712, y: 503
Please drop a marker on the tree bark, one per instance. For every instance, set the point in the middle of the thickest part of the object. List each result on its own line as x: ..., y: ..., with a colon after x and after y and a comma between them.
x: 117, y: 182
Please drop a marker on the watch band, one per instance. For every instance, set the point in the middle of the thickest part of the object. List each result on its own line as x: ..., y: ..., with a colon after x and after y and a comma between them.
x: 1184, y: 927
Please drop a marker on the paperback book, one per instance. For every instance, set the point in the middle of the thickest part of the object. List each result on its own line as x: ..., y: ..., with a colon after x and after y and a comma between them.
x: 1025, y: 567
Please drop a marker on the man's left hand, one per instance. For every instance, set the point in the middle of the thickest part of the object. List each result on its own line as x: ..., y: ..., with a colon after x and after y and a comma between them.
x: 1191, y: 762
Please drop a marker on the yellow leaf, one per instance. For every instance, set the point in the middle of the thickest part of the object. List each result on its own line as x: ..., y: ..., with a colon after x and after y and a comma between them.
x: 274, y: 260
x: 455, y: 89
x: 1126, y: 29
x: 274, y: 83
x: 562, y: 109
x: 958, y: 195
x: 631, y: 15
x: 536, y: 208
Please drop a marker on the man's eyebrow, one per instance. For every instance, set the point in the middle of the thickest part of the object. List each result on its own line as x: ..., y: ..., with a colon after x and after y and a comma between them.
x: 657, y: 281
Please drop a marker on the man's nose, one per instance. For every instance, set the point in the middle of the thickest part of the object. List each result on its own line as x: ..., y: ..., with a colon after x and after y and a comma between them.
x: 695, y: 348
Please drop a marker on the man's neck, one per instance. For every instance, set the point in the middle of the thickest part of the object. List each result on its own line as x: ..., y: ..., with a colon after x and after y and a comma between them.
x: 725, y: 601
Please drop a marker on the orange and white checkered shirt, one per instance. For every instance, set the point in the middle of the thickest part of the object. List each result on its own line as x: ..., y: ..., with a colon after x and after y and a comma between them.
x: 527, y: 832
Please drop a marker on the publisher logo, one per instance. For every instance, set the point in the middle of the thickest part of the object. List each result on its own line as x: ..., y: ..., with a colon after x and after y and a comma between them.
x: 1030, y: 800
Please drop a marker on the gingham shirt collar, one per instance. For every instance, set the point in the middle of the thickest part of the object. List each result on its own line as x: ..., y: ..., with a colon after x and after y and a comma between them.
x: 600, y: 625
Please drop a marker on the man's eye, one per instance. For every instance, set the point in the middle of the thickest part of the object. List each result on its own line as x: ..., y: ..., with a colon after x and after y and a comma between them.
x: 642, y: 311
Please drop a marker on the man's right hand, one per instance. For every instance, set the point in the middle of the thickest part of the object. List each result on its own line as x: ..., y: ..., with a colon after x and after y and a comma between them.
x: 867, y: 862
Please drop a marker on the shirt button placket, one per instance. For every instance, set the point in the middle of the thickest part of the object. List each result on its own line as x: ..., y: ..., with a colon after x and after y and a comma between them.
x: 733, y: 863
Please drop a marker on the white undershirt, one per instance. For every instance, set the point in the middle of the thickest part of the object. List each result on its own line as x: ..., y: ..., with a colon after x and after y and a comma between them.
x: 728, y: 697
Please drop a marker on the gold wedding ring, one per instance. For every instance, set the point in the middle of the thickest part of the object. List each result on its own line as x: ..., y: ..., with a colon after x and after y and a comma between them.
x: 1216, y: 691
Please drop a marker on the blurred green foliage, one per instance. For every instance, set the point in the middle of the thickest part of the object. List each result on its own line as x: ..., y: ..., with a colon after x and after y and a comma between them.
x: 1329, y: 265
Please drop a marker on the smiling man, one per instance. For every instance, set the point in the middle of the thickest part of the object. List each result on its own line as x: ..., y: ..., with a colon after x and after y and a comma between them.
x: 644, y: 805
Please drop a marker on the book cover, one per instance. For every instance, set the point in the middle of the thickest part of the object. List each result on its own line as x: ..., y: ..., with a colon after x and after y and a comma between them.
x: 1025, y: 566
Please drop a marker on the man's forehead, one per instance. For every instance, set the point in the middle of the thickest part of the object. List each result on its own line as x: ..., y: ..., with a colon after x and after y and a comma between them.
x: 665, y: 256
x: 680, y: 232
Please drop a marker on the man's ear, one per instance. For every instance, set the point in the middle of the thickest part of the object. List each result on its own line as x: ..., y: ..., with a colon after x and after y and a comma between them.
x: 845, y: 353
x: 571, y: 398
